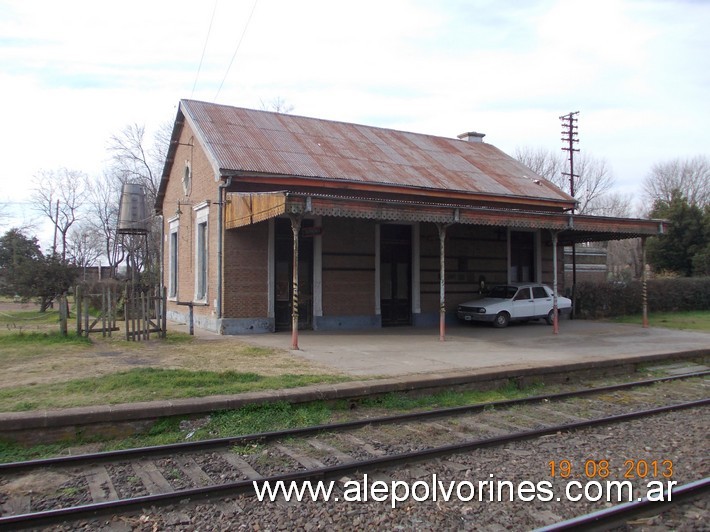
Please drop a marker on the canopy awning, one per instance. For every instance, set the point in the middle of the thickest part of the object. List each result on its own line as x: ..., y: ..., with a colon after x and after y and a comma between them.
x: 248, y: 208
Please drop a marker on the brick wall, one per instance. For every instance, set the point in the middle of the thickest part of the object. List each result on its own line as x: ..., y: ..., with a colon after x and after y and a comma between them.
x: 348, y: 267
x: 246, y: 263
x: 203, y: 188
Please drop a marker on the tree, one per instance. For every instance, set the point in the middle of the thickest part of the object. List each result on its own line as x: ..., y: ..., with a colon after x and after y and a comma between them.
x: 277, y: 105
x: 25, y: 272
x: 690, y: 176
x: 18, y: 256
x: 595, y: 177
x: 84, y: 246
x: 686, y: 237
x: 104, y: 196
x: 135, y: 161
x: 3, y: 213
x: 701, y: 259
x: 59, y: 195
x: 53, y: 278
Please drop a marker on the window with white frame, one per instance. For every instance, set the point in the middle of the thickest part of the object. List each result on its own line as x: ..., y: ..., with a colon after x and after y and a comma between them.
x: 201, y: 250
x: 173, y: 259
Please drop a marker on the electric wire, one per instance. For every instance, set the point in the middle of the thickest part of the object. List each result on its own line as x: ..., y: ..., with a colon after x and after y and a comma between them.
x: 204, y: 49
x: 239, y: 43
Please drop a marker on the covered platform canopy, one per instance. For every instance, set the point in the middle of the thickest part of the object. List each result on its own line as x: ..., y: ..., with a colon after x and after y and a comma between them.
x: 244, y: 208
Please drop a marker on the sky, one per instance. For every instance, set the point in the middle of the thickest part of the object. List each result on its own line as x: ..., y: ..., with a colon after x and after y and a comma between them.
x: 74, y: 73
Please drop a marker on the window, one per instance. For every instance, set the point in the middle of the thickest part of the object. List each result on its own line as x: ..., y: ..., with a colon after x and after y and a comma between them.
x: 201, y: 251
x: 201, y: 289
x: 523, y: 294
x: 540, y: 293
x: 172, y: 282
x: 173, y: 255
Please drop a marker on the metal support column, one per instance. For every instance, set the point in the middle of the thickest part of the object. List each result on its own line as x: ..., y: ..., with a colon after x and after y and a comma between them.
x: 442, y: 280
x: 555, y: 319
x: 296, y: 228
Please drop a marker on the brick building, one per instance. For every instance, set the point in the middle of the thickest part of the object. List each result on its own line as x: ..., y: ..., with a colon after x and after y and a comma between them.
x: 394, y: 228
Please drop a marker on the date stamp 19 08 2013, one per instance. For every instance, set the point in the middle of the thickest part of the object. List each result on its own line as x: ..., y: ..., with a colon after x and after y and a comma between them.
x: 601, y: 469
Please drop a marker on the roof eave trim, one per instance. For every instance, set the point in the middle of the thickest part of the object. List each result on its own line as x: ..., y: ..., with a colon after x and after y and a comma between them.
x: 282, y: 179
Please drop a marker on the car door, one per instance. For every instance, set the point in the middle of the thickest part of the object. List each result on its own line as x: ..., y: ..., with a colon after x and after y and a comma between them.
x: 543, y: 301
x: 523, y: 304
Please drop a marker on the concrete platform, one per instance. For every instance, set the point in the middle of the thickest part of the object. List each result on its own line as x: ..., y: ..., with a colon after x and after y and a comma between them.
x: 401, y: 351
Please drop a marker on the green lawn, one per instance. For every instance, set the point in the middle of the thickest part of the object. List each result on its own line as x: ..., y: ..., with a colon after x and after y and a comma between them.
x: 272, y: 416
x: 28, y: 319
x: 698, y: 320
x: 147, y: 384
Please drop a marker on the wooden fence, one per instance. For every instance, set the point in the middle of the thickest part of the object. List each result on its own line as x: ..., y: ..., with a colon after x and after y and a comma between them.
x: 144, y: 311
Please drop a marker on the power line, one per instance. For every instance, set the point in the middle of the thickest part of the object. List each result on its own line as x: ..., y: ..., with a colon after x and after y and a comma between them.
x: 204, y: 49
x: 246, y: 26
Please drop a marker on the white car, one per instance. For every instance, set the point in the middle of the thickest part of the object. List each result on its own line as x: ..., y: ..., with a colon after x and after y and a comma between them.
x: 514, y: 302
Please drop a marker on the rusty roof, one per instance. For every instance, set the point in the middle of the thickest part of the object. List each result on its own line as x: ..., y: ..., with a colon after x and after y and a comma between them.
x: 260, y: 143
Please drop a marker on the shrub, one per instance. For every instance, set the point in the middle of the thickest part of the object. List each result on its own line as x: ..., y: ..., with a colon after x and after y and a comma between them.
x: 664, y: 295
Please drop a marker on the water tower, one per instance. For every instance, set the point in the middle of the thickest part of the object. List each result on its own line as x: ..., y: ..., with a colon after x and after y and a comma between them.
x: 132, y: 215
x: 133, y: 228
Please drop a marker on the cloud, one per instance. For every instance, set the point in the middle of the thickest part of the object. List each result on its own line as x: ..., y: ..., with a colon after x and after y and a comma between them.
x: 76, y: 72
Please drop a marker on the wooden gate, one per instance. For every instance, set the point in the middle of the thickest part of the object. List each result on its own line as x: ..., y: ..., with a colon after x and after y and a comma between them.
x: 145, y: 312
x: 104, y: 299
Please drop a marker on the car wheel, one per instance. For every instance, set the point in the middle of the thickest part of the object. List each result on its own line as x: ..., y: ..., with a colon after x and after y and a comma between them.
x: 551, y: 317
x: 502, y: 319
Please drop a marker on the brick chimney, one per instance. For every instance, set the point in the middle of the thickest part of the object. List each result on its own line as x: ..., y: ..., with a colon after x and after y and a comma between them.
x: 472, y: 136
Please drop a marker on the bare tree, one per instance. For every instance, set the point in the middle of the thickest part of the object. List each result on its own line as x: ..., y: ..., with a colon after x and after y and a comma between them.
x: 84, y: 245
x: 690, y: 176
x: 103, y: 202
x: 161, y: 143
x: 594, y: 181
x: 4, y: 213
x: 278, y: 105
x: 59, y: 195
x: 543, y: 162
x: 133, y: 161
x: 136, y: 160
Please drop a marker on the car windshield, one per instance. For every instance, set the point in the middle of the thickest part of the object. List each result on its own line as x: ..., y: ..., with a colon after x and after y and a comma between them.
x: 503, y: 292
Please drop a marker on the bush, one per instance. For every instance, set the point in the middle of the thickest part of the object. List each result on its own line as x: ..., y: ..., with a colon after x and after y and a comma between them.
x: 664, y: 295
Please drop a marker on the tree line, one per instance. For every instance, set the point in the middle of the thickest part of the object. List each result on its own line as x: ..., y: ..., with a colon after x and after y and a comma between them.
x: 677, y: 190
x: 83, y: 213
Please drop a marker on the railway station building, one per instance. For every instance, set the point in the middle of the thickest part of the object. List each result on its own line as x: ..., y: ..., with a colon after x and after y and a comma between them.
x: 387, y: 227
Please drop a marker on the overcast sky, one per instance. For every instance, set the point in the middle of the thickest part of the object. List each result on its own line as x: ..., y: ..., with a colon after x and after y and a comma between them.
x: 75, y: 72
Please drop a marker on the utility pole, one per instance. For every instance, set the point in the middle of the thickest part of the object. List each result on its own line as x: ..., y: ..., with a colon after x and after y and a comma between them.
x: 569, y: 138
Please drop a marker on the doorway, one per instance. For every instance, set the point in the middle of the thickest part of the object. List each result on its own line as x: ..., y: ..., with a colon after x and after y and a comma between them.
x: 396, y: 275
x: 283, y: 272
x: 522, y: 257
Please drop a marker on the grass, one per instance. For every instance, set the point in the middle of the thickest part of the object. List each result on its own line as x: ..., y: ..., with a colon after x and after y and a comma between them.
x: 274, y: 416
x: 27, y: 319
x: 698, y: 320
x: 36, y: 339
x: 147, y: 384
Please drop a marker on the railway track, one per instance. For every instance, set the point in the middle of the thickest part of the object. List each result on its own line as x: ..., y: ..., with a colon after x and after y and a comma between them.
x: 58, y: 490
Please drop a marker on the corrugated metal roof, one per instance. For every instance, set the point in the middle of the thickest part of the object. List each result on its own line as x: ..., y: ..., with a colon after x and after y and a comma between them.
x: 262, y: 142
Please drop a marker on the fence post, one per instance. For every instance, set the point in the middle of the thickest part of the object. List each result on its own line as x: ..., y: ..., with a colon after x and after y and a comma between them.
x: 77, y: 304
x: 86, y: 303
x: 163, y: 311
x: 127, y: 311
x: 63, y: 314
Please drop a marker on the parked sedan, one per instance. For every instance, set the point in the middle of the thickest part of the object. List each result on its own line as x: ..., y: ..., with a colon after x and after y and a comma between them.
x: 514, y: 302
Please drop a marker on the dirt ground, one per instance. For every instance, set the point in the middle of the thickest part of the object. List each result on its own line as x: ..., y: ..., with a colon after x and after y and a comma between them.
x: 57, y: 363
